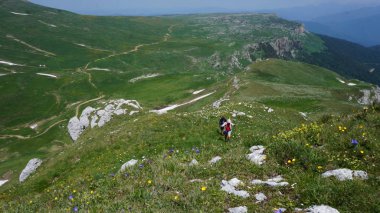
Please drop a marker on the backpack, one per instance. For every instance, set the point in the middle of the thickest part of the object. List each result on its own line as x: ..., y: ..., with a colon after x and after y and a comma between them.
x: 228, y: 127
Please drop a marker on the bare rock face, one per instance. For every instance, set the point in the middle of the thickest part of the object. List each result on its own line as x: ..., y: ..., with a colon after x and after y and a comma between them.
x: 370, y: 96
x: 346, y: 174
x: 285, y: 48
x: 30, y: 168
x: 92, y: 117
x: 321, y: 209
x: 215, y: 60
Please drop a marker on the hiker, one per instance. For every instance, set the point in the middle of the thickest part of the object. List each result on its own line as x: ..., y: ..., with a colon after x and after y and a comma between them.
x: 221, y: 122
x: 227, y: 129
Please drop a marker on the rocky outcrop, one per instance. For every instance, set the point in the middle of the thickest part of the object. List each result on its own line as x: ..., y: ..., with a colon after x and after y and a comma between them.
x: 30, y: 168
x: 2, y: 182
x: 230, y: 188
x: 128, y: 164
x: 240, y: 209
x: 370, y: 96
x: 92, y: 117
x: 215, y: 159
x: 321, y: 209
x: 215, y: 60
x: 256, y: 156
x: 273, y: 182
x: 346, y: 174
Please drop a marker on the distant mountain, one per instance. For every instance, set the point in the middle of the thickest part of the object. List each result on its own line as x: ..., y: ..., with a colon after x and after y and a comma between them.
x: 360, y: 26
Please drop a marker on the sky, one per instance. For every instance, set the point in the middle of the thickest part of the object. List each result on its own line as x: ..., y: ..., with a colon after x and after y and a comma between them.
x: 188, y: 6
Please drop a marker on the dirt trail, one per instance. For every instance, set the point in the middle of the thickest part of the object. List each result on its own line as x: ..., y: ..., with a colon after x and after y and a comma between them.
x: 29, y: 137
x: 45, y: 53
x: 81, y: 104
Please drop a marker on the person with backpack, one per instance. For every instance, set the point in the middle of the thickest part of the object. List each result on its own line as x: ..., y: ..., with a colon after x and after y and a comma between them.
x: 221, y: 122
x: 227, y: 129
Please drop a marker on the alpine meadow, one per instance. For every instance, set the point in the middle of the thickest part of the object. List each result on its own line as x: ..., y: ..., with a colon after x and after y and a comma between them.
x: 121, y: 114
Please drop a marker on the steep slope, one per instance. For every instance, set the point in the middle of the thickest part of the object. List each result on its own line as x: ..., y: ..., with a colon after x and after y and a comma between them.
x: 85, y: 176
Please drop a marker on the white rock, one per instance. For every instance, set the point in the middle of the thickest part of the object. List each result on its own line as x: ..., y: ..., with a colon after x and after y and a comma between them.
x: 215, y: 159
x: 260, y: 197
x: 321, y: 209
x: 273, y: 182
x: 75, y: 128
x: 193, y: 163
x: 84, y: 120
x: 345, y: 174
x: 240, y: 209
x: 128, y: 164
x: 94, y: 119
x: 2, y: 182
x: 229, y: 187
x: 119, y: 112
x: 257, y: 157
x: 30, y: 168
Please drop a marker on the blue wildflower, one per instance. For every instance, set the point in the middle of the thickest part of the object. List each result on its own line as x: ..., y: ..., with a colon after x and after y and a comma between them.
x: 198, y: 151
x: 75, y: 209
x: 141, y: 166
x: 112, y: 175
x: 71, y: 197
x: 354, y: 142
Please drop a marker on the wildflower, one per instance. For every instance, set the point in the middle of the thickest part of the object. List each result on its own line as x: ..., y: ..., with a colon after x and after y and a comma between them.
x: 171, y: 151
x: 289, y: 161
x: 319, y: 167
x: 112, y: 175
x: 92, y: 192
x: 126, y: 175
x: 75, y: 209
x: 277, y: 211
x: 71, y: 197
x: 74, y: 191
x: 30, y: 202
x: 141, y: 166
x: 203, y: 188
x: 56, y: 198
x: 197, y: 151
x: 364, y: 134
x: 176, y: 197
x: 361, y: 152
x: 354, y: 142
x: 293, y: 160
x: 149, y: 182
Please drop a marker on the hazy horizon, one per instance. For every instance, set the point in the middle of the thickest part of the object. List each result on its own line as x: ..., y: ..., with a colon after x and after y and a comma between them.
x: 149, y: 7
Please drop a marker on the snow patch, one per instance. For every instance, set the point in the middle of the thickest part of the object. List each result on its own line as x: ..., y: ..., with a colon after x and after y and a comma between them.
x: 346, y: 174
x: 47, y: 24
x: 3, y: 74
x: 256, y: 156
x: 33, y: 126
x: 240, y: 209
x: 273, y: 182
x: 198, y: 91
x: 351, y: 84
x: 215, y: 159
x: 128, y: 164
x: 30, y: 168
x: 166, y: 109
x: 230, y: 188
x: 20, y: 14
x: 9, y: 63
x: 340, y: 80
x: 48, y: 75
x: 133, y: 80
x: 2, y: 182
x: 99, y: 69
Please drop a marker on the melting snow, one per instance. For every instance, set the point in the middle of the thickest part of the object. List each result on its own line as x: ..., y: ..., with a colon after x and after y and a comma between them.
x: 230, y: 188
x: 198, y: 91
x: 48, y: 75
x: 21, y: 14
x: 2, y: 182
x: 10, y: 63
x: 2, y: 74
x: 166, y: 109
x: 133, y: 80
x: 47, y: 24
x: 351, y: 84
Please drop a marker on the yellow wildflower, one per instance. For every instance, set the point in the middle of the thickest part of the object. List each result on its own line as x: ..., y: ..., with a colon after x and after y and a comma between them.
x: 361, y: 151
x: 92, y: 192
x: 56, y: 198
x: 289, y: 161
x: 74, y: 191
x: 149, y: 182
x: 204, y: 188
x: 294, y: 160
x: 319, y: 167
x: 176, y: 197
x: 30, y: 202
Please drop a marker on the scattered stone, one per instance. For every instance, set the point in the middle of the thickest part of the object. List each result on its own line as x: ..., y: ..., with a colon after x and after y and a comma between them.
x: 30, y: 168
x: 128, y: 164
x: 2, y: 182
x: 215, y: 159
x: 133, y: 80
x: 196, y: 180
x: 260, y: 197
x: 237, y: 113
x: 257, y: 157
x: 193, y: 163
x: 346, y: 174
x: 321, y: 209
x: 230, y: 188
x: 217, y: 103
x: 240, y: 209
x: 75, y: 129
x: 273, y: 182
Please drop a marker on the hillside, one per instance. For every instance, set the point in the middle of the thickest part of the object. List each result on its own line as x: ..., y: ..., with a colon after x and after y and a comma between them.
x: 86, y: 94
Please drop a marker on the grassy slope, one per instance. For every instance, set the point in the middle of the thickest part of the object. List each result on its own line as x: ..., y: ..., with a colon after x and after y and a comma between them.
x: 88, y: 169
